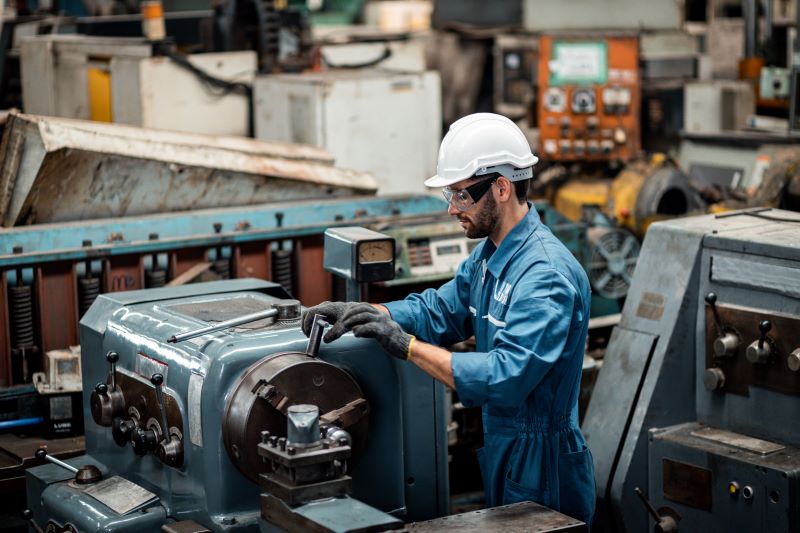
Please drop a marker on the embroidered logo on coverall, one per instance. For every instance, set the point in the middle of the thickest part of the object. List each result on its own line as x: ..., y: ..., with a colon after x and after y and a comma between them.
x: 502, y: 294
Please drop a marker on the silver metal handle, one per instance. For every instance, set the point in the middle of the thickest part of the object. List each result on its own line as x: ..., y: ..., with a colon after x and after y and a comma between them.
x: 252, y: 317
x: 158, y: 380
x: 41, y: 453
x: 315, y: 336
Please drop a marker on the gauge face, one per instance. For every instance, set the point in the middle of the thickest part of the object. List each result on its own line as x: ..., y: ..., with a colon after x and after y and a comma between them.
x: 375, y: 252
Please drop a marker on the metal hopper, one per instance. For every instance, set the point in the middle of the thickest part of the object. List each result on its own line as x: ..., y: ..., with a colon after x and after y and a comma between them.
x: 58, y: 170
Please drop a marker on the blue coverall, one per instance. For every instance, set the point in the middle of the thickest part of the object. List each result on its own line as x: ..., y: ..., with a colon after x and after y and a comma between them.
x: 527, y: 303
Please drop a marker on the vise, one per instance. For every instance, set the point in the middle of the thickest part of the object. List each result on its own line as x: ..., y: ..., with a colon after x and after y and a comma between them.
x: 693, y: 419
x: 247, y: 428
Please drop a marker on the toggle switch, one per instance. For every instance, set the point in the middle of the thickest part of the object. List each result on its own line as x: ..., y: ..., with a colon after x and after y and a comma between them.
x: 760, y: 351
x: 727, y: 342
x: 107, y: 402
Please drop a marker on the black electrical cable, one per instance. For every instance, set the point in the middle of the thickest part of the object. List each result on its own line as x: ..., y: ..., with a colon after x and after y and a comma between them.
x: 387, y: 53
x: 217, y: 85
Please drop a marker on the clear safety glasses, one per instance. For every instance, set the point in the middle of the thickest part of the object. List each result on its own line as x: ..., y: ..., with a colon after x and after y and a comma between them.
x: 464, y: 199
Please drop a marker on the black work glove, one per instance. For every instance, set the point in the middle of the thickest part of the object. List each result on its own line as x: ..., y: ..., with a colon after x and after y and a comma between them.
x: 367, y: 322
x: 332, y: 311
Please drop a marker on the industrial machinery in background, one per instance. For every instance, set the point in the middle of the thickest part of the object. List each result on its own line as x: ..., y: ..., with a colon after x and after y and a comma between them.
x: 370, y: 120
x: 691, y: 423
x: 589, y: 88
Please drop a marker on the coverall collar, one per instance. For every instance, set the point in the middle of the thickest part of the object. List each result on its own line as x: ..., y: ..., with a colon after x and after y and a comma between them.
x: 511, y: 244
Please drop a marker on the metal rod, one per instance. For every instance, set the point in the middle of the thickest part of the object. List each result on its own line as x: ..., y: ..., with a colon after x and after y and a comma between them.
x: 750, y: 13
x: 158, y: 381
x: 252, y: 317
x: 352, y: 291
x: 650, y: 508
x: 61, y: 463
x: 769, y: 20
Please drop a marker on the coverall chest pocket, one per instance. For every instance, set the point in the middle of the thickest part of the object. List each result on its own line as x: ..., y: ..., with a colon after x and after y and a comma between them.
x: 497, y: 314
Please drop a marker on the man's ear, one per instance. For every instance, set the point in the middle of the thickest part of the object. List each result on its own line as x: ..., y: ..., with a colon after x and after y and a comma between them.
x: 505, y: 188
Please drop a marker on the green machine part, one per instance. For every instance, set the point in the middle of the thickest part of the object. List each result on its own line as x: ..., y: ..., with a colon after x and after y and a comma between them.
x: 332, y: 13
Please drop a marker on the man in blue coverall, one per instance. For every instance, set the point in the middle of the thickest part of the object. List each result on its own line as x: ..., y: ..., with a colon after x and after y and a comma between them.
x: 525, y: 298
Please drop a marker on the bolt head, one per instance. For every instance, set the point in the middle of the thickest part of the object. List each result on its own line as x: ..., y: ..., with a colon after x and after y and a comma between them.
x: 265, y: 437
x: 291, y: 450
x: 112, y: 357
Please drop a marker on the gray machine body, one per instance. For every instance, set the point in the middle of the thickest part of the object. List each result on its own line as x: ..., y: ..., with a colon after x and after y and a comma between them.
x: 403, y: 470
x: 652, y: 378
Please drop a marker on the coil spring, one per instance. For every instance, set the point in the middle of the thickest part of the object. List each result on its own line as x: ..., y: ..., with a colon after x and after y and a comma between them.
x: 223, y: 268
x: 282, y: 264
x: 155, y: 278
x: 22, y: 315
x: 88, y: 290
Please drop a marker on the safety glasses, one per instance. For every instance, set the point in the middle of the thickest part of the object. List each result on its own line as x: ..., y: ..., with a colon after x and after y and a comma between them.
x: 464, y: 199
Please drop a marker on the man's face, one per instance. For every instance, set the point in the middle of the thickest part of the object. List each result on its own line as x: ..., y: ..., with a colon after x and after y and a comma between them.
x: 482, y: 218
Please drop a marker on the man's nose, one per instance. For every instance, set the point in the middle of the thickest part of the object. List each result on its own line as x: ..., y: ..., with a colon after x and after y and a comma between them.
x: 451, y: 210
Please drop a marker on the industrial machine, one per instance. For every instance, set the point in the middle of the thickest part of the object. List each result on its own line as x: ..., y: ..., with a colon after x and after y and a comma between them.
x: 368, y: 119
x: 589, y: 87
x: 692, y: 420
x: 241, y: 422
x: 128, y: 80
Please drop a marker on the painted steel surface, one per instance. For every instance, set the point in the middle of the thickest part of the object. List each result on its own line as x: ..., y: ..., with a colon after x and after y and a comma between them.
x: 406, y: 441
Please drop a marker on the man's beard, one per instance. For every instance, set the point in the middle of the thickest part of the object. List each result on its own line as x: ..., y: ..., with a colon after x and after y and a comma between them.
x: 484, y: 221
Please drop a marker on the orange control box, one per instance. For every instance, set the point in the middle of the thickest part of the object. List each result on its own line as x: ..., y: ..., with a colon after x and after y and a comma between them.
x: 589, y: 97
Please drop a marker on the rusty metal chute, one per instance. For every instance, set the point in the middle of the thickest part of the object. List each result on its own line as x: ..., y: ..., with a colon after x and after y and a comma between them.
x: 59, y: 170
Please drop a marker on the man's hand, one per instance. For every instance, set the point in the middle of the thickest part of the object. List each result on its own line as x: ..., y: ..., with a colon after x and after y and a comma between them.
x: 333, y: 311
x: 366, y: 321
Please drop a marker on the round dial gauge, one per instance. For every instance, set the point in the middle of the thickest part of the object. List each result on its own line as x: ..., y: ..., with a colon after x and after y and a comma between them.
x: 375, y: 252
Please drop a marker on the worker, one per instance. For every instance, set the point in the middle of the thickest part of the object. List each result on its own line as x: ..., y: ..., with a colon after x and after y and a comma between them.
x: 524, y: 297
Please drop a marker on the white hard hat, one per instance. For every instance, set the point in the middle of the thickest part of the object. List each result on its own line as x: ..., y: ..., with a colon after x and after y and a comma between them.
x: 479, y: 144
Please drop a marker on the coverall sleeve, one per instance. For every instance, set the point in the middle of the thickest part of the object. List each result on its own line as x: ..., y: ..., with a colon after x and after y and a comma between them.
x: 537, y: 324
x: 438, y: 316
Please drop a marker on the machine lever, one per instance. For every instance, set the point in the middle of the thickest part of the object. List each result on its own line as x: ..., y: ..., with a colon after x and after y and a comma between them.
x: 315, y: 337
x: 245, y: 319
x: 112, y: 358
x: 646, y: 502
x: 666, y: 520
x: 41, y: 453
x: 27, y: 514
x: 764, y: 326
x: 711, y: 299
x: 157, y: 380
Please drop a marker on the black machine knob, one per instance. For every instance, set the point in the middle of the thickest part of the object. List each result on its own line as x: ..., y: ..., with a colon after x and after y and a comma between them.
x: 112, y: 358
x: 727, y: 342
x: 122, y: 430
x: 760, y: 351
x: 143, y: 441
x: 27, y: 514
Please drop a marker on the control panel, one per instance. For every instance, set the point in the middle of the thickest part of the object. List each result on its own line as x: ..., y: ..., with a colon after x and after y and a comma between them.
x: 589, y: 97
x: 140, y: 413
x: 747, y: 347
